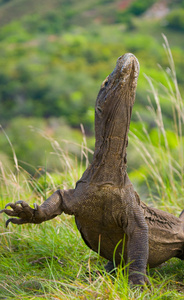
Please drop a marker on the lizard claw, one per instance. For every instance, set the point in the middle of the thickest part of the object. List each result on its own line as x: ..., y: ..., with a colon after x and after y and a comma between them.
x: 15, y: 221
x: 19, y: 209
x: 23, y: 203
x: 23, y: 213
x: 35, y: 206
x: 12, y: 205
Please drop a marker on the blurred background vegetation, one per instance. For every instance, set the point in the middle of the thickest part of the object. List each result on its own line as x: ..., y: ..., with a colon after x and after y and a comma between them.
x: 54, y: 54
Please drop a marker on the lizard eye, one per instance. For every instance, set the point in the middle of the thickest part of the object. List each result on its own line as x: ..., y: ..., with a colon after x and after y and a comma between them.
x: 106, y: 83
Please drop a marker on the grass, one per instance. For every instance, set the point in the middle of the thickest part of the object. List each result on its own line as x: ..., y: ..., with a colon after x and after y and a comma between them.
x: 50, y: 261
x: 162, y: 149
x: 30, y: 268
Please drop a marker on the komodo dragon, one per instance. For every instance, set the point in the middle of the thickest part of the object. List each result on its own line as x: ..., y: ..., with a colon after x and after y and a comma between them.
x: 109, y: 214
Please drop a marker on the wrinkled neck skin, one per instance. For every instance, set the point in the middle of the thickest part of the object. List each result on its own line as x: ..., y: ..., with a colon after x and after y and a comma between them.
x: 112, y: 120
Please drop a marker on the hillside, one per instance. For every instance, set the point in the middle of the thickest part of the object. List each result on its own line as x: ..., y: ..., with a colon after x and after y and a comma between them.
x: 86, y: 12
x: 79, y: 12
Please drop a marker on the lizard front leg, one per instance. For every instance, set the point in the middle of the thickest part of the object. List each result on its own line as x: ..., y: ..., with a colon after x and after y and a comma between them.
x: 137, y: 247
x: 52, y: 207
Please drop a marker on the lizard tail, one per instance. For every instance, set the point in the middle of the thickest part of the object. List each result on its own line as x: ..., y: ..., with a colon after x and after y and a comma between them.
x: 181, y: 216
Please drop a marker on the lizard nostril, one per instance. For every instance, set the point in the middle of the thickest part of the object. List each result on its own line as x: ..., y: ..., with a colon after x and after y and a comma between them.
x: 99, y: 110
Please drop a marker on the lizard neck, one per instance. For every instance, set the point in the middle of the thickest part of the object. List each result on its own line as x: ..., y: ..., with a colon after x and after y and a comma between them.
x: 112, y: 120
x: 110, y: 157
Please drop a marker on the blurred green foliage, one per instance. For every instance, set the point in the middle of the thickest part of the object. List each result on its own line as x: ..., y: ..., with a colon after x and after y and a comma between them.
x: 61, y: 75
x: 4, y: 1
x: 53, y: 59
x: 175, y: 19
x: 40, y: 144
x: 136, y: 8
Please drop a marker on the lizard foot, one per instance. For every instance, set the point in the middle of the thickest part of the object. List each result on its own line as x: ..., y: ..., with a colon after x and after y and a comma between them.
x: 140, y: 280
x: 24, y: 212
x: 109, y: 267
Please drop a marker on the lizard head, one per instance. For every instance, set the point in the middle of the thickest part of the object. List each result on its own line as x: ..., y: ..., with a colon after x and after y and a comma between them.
x: 115, y: 101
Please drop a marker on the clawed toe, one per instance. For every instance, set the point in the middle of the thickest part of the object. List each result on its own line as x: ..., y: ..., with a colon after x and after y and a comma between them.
x: 35, y: 206
x: 19, y: 202
x: 19, y: 209
x: 23, y: 203
x: 23, y: 213
x: 12, y: 205
x: 16, y: 209
x: 9, y: 212
x: 15, y: 221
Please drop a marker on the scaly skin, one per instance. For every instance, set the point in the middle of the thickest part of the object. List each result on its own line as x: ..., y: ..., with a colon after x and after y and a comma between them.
x: 107, y: 209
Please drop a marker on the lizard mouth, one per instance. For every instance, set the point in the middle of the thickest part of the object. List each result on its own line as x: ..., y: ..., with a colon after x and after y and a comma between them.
x: 127, y: 60
x: 127, y: 66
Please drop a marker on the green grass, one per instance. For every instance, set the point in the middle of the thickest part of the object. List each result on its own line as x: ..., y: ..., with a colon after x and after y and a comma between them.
x: 50, y: 261
x: 30, y: 268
